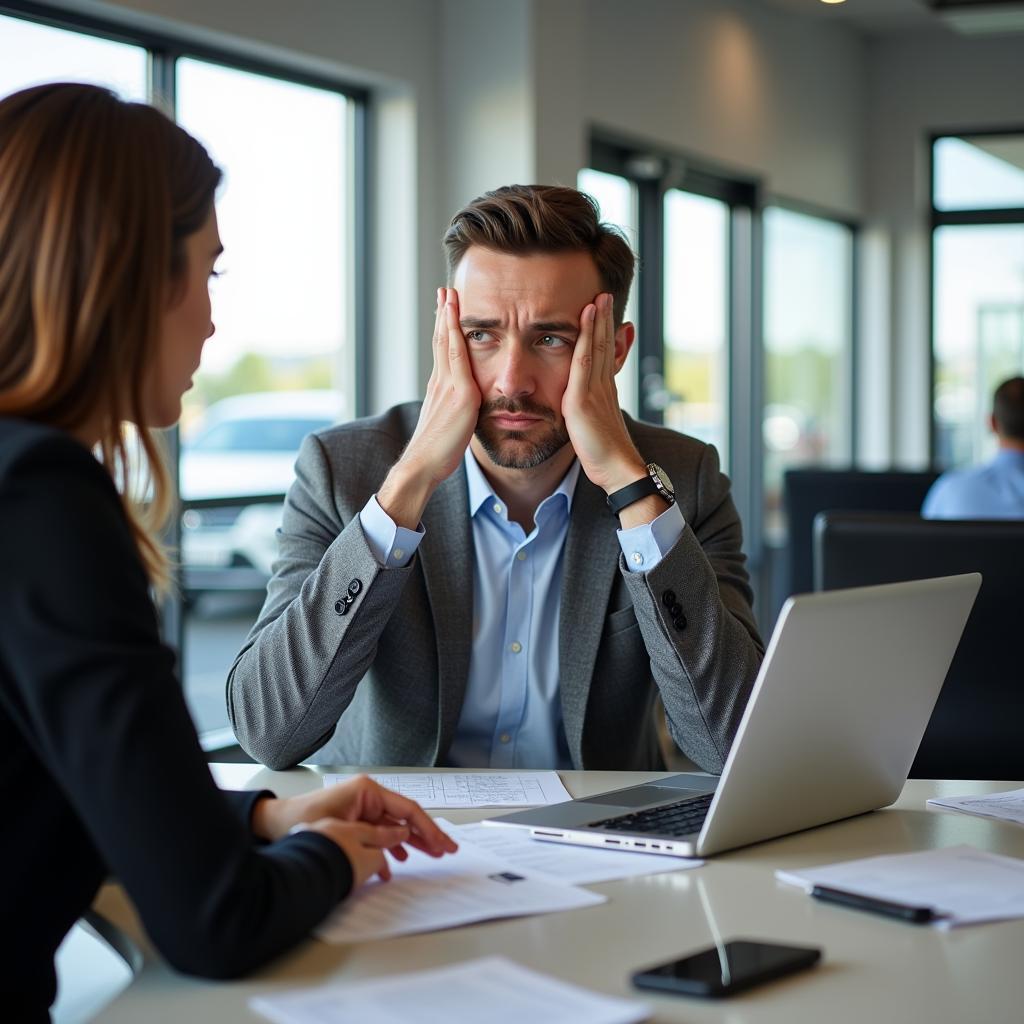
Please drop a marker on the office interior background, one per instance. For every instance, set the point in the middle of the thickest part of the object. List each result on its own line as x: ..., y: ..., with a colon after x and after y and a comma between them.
x: 827, y: 202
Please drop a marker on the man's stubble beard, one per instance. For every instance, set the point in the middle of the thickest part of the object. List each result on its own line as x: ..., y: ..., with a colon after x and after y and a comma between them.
x: 505, y: 448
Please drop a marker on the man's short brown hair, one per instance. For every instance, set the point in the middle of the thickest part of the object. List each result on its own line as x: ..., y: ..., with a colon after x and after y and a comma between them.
x: 527, y: 219
x: 1008, y: 409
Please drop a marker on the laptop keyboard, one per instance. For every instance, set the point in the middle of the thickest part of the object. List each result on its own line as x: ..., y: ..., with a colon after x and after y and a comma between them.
x: 678, y: 819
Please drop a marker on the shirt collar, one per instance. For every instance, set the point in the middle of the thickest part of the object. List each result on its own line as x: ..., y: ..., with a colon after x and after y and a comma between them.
x: 480, y: 491
x: 1013, y: 456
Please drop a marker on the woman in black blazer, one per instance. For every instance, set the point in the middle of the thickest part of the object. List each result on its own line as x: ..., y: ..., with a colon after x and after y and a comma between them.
x: 108, y: 237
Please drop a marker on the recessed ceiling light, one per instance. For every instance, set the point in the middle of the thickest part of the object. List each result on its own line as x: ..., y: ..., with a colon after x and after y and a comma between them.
x: 833, y: 1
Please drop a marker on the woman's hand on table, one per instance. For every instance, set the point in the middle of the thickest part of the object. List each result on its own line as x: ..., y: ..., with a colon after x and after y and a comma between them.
x: 362, y: 817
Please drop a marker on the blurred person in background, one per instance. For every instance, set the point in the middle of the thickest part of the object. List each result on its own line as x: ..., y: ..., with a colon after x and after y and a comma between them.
x: 994, y: 490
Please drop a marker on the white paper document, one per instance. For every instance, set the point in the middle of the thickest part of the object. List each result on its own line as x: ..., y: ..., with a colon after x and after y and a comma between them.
x: 425, y: 894
x: 579, y: 865
x: 1007, y: 806
x: 962, y: 884
x: 490, y: 989
x: 472, y: 789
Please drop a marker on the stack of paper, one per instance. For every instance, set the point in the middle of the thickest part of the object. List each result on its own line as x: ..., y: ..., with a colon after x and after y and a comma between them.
x: 1007, y: 806
x: 492, y: 989
x: 961, y: 884
x: 472, y: 789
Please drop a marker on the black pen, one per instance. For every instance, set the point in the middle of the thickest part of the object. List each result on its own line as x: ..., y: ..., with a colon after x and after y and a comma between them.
x: 903, y: 911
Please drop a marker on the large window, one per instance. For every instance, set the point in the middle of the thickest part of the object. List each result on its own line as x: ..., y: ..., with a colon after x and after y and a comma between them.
x: 281, y: 363
x: 31, y: 54
x: 696, y: 317
x: 977, y: 284
x: 808, y: 349
x: 284, y: 358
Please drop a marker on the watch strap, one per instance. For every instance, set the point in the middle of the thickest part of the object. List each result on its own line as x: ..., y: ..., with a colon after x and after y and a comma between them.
x: 618, y: 500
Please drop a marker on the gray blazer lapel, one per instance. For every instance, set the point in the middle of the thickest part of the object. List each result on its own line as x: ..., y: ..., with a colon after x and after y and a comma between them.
x: 591, y: 564
x: 446, y: 553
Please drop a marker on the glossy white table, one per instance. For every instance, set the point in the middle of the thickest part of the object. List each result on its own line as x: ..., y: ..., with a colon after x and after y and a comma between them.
x: 875, y: 969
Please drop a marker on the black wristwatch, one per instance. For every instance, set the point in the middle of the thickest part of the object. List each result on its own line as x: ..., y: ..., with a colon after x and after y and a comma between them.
x: 656, y: 482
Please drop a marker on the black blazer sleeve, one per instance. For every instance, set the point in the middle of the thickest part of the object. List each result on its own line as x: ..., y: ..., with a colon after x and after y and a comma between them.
x: 94, y: 694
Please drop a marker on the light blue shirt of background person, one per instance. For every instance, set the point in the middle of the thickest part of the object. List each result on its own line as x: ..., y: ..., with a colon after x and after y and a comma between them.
x: 512, y: 714
x: 992, y: 491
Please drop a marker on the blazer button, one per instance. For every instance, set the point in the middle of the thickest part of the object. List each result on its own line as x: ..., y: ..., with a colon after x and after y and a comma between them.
x: 341, y: 607
x: 668, y: 598
x: 676, y: 610
x: 679, y: 622
x: 355, y: 586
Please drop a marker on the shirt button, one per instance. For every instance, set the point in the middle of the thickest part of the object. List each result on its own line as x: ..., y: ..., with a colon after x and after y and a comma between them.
x: 497, y: 510
x: 504, y: 737
x: 638, y: 559
x: 521, y: 556
x: 515, y: 647
x: 398, y: 554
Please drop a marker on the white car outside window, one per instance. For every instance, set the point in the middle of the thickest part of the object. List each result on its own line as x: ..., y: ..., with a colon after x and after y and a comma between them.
x: 245, y: 446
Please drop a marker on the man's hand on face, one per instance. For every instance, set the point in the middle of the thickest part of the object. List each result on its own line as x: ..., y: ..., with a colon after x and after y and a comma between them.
x: 446, y: 424
x: 590, y: 404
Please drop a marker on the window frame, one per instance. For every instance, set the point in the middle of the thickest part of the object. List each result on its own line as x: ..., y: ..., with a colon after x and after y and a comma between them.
x: 951, y: 218
x: 164, y: 49
x: 853, y: 365
x: 654, y: 170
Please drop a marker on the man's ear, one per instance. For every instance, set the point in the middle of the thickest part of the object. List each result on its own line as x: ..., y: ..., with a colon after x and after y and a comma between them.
x: 624, y: 338
x: 992, y: 425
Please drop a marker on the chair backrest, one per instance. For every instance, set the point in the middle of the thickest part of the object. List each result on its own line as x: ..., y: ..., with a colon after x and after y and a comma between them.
x: 976, y: 730
x: 806, y: 492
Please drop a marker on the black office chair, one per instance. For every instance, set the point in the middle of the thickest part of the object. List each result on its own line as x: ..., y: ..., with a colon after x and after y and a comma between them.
x: 977, y: 729
x: 806, y: 492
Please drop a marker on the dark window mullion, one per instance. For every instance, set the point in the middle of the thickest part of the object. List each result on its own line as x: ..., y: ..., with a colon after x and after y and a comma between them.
x: 172, y: 611
x: 361, y: 258
x: 650, y: 304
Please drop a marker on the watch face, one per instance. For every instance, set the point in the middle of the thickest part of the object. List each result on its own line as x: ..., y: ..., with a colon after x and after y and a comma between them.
x: 661, y: 477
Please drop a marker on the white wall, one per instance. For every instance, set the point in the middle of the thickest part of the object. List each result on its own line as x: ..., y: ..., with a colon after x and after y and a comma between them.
x: 486, y: 98
x: 917, y: 84
x: 774, y: 96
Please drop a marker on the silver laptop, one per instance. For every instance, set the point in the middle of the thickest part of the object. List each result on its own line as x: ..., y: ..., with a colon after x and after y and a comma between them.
x: 834, y: 720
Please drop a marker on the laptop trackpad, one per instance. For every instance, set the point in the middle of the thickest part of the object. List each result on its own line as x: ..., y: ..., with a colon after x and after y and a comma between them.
x: 637, y: 796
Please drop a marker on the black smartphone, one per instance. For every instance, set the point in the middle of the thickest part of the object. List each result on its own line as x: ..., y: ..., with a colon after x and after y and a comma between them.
x: 722, y: 970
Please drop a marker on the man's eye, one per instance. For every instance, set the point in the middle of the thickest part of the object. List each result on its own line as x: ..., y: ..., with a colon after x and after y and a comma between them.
x: 552, y: 341
x: 477, y: 336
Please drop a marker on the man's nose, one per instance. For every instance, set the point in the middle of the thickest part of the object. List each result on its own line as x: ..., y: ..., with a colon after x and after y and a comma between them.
x: 515, y: 376
x: 212, y: 331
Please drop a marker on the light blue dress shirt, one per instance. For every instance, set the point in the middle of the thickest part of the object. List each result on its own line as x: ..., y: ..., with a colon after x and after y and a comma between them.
x: 992, y: 491
x: 512, y: 715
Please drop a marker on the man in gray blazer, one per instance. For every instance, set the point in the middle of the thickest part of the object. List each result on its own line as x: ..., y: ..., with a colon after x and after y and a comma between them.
x: 513, y: 572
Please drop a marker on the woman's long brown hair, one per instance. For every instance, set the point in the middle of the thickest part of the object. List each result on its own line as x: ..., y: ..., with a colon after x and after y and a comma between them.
x: 96, y: 199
